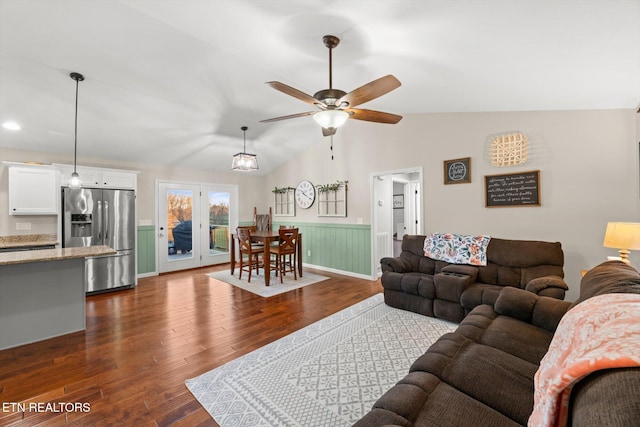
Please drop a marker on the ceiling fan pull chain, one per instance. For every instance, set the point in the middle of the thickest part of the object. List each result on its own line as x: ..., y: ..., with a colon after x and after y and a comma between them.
x: 331, y: 147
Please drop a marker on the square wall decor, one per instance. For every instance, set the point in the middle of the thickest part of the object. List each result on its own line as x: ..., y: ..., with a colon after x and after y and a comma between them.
x: 509, y: 149
x: 457, y: 171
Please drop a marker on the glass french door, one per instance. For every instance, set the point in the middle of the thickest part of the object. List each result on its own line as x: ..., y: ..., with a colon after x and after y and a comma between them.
x: 194, y: 223
x: 220, y: 216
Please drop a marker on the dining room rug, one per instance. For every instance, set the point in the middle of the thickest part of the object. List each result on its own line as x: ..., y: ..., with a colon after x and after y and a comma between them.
x: 258, y: 287
x: 329, y: 373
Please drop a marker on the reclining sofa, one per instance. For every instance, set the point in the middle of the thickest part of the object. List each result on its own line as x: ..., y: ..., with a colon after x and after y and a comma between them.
x: 483, y: 373
x: 449, y: 291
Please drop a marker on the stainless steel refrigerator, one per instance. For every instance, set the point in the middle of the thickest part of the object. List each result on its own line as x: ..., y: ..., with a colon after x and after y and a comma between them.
x: 95, y: 216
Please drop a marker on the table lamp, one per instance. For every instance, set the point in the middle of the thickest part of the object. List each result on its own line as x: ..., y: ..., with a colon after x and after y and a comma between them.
x: 624, y: 236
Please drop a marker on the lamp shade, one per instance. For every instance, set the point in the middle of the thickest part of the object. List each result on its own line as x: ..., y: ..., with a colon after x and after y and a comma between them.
x: 244, y: 162
x: 331, y: 119
x: 622, y: 235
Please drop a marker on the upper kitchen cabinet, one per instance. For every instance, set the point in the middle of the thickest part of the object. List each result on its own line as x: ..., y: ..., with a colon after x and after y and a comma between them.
x: 101, y: 177
x: 32, y: 189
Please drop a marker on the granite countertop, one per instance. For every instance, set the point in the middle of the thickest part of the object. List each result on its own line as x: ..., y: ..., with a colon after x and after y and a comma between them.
x: 22, y: 257
x: 27, y: 240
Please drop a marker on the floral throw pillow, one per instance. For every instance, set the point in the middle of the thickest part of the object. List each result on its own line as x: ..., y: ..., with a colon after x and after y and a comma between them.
x: 457, y: 248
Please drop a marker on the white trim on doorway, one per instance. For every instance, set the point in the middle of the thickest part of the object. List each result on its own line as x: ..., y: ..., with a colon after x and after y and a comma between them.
x: 381, y: 190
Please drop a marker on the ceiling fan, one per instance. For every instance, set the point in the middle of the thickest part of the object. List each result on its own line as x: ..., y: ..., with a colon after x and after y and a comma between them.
x: 336, y: 106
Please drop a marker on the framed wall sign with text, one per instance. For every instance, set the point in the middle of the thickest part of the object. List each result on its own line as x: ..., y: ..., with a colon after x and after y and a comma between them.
x: 457, y: 171
x: 512, y: 189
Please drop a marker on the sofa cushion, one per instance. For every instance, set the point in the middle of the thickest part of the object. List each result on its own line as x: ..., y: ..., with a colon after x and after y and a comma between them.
x: 537, y: 310
x: 524, y: 253
x: 422, y: 399
x: 404, y: 301
x: 410, y: 283
x: 523, y: 340
x: 497, y: 379
x: 478, y: 294
x: 516, y: 262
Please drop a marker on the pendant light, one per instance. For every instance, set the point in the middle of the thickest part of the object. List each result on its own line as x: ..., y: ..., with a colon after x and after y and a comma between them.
x: 75, y: 182
x: 244, y: 161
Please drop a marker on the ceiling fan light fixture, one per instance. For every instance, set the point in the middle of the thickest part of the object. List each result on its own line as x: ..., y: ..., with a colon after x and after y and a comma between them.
x: 331, y: 119
x: 244, y: 161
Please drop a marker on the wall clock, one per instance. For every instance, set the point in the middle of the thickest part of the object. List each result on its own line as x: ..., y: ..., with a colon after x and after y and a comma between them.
x: 305, y: 194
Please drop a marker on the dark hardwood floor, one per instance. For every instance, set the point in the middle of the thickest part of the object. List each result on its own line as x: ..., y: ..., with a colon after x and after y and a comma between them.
x: 140, y: 346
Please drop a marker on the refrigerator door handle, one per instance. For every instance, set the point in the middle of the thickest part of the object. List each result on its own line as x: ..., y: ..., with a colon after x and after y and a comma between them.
x: 106, y: 220
x: 99, y: 211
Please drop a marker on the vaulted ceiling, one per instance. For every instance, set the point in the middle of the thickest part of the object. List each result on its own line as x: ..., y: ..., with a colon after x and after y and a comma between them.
x: 172, y: 81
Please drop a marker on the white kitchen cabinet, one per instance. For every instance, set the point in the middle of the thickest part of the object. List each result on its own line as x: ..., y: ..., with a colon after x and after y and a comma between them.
x: 113, y: 179
x: 100, y: 177
x: 32, y: 190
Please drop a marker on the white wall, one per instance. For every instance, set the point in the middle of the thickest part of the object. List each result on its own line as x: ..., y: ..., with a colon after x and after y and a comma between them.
x: 588, y: 161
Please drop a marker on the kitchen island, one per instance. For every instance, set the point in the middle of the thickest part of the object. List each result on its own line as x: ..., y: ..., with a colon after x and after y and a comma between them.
x: 42, y: 293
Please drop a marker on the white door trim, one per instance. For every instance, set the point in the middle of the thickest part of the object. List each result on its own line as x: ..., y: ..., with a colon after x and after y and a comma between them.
x: 372, y: 177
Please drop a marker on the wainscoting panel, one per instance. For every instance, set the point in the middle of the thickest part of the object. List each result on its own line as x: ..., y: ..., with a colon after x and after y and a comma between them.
x: 146, y: 249
x: 345, y: 247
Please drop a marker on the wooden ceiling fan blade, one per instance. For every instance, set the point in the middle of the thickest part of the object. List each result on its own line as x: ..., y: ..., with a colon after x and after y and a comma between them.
x: 328, y: 132
x: 371, y: 90
x: 373, y: 116
x: 291, y: 91
x: 291, y: 116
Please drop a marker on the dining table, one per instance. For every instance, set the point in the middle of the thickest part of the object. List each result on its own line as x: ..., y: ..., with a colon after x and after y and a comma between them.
x: 266, y: 237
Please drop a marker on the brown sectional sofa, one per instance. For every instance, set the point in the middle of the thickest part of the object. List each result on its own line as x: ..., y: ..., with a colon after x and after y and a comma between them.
x: 483, y: 373
x: 436, y: 288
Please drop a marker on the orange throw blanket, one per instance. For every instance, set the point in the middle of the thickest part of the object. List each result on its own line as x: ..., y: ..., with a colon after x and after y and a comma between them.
x: 602, y: 332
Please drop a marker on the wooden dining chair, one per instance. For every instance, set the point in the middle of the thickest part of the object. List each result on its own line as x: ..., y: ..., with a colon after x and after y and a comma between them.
x: 252, y: 251
x: 286, y: 247
x: 262, y: 222
x: 290, y: 260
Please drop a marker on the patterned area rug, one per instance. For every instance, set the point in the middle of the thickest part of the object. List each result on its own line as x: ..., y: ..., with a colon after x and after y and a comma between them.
x: 327, y: 374
x: 257, y: 282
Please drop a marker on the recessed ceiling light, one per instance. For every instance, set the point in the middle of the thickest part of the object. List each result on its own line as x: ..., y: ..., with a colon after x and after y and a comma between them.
x: 11, y: 125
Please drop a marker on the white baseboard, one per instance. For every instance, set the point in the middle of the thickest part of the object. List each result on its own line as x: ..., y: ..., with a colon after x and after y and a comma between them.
x: 343, y: 272
x: 151, y: 274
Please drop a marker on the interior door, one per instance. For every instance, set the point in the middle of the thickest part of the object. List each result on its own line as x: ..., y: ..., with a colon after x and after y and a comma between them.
x: 179, y: 234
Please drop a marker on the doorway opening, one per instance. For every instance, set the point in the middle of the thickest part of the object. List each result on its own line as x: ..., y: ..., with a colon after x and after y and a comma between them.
x: 396, y: 210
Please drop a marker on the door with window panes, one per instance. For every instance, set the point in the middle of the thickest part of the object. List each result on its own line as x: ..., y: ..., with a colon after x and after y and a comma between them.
x: 194, y: 224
